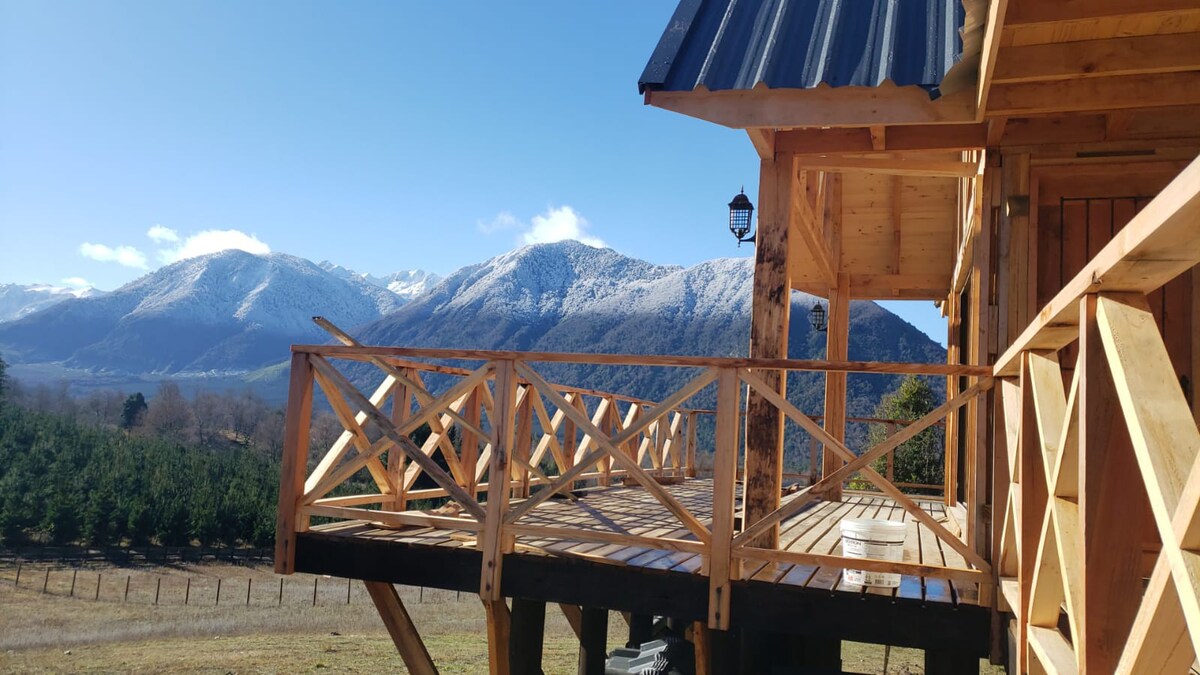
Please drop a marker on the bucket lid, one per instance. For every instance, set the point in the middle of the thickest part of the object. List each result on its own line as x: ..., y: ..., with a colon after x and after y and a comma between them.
x: 871, y: 525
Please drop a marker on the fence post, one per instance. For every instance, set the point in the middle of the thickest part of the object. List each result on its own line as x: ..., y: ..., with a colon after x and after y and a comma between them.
x: 280, y: 591
x: 347, y: 591
x: 74, y: 576
x: 217, y: 602
x: 315, y: 591
x: 46, y: 581
x: 187, y: 591
x: 157, y: 588
x: 249, y: 582
x: 17, y: 583
x: 126, y: 599
x: 98, y: 576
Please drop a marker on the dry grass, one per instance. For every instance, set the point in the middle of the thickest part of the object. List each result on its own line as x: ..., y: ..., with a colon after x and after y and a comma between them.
x: 53, y: 632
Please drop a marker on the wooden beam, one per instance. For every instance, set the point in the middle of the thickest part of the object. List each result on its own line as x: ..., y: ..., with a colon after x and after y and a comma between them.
x: 1111, y: 509
x: 809, y: 226
x: 1157, y: 245
x: 929, y: 168
x: 1065, y: 11
x: 528, y: 629
x: 1138, y: 55
x: 401, y: 627
x: 721, y: 566
x: 997, y: 13
x: 769, y: 314
x: 823, y: 106
x: 297, y: 421
x: 1100, y: 93
x: 897, y: 138
x: 1158, y: 642
x: 837, y: 344
x: 499, y: 635
x: 764, y: 142
x: 593, y: 640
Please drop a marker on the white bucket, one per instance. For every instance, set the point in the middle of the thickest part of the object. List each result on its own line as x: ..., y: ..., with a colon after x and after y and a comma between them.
x: 878, y: 539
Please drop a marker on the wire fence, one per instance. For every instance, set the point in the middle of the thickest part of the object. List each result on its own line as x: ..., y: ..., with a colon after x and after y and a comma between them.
x: 257, y: 588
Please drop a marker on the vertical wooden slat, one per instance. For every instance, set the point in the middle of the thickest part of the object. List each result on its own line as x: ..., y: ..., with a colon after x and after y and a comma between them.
x: 691, y: 445
x: 499, y: 636
x: 295, y: 462
x: 401, y: 411
x: 494, y: 543
x: 1033, y: 506
x: 523, y: 447
x: 469, y: 451
x: 721, y: 567
x: 770, y: 309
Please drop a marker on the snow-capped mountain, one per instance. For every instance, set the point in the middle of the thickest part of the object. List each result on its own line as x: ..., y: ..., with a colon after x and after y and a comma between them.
x: 227, y: 311
x: 17, y: 300
x: 407, y: 284
x: 571, y: 297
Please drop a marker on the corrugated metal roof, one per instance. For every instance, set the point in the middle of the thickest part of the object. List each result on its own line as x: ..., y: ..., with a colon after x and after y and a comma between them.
x: 799, y: 44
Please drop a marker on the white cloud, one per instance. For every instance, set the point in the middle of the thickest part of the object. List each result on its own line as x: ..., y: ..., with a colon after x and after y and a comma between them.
x: 212, y: 241
x: 558, y: 224
x: 76, y: 282
x: 162, y: 234
x: 503, y: 221
x: 122, y: 255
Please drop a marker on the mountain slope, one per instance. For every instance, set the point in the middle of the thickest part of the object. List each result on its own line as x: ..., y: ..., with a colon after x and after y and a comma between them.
x: 572, y: 297
x: 407, y: 284
x: 227, y: 311
x: 17, y: 300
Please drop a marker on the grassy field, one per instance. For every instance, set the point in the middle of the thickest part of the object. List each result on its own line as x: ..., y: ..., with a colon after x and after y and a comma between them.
x: 57, y: 632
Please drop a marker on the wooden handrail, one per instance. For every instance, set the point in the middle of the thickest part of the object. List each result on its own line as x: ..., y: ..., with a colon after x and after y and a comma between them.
x: 816, y: 365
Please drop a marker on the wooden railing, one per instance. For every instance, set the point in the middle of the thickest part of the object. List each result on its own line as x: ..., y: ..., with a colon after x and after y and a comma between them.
x: 1090, y: 449
x: 512, y: 421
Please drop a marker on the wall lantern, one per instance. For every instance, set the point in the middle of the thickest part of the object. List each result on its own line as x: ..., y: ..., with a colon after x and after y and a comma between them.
x: 816, y: 316
x: 740, y: 213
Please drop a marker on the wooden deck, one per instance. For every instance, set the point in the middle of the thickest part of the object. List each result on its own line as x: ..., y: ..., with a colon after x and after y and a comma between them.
x: 548, y: 567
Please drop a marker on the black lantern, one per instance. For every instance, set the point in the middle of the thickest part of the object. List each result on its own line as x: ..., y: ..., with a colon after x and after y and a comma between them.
x: 816, y: 317
x: 740, y: 213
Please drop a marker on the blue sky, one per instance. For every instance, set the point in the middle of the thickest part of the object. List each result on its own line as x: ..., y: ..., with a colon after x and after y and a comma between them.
x: 382, y: 136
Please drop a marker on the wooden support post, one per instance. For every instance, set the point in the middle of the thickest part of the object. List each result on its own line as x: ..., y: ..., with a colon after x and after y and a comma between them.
x: 641, y: 630
x: 771, y: 306
x: 1112, y: 508
x: 499, y: 636
x: 525, y: 640
x: 836, y: 349
x: 722, y: 566
x: 295, y: 462
x: 494, y: 543
x: 593, y: 641
x: 702, y: 642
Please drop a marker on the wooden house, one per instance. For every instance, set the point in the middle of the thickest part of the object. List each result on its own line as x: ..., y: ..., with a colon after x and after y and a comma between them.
x: 1028, y: 165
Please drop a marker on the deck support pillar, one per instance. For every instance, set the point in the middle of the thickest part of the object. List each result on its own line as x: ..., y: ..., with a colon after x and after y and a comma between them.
x: 641, y: 630
x: 769, y: 316
x: 526, y: 636
x: 400, y: 626
x: 593, y: 640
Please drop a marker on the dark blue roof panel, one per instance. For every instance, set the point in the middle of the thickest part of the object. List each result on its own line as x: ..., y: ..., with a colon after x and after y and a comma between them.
x: 799, y: 44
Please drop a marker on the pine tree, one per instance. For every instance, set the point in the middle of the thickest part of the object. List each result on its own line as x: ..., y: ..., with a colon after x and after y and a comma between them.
x: 133, y: 411
x: 922, y: 459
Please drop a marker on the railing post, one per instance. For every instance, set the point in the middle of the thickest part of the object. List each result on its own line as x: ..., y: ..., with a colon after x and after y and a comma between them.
x: 401, y: 411
x: 891, y: 456
x: 469, y: 452
x: 722, y: 566
x: 691, y: 445
x: 493, y: 541
x: 295, y: 455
